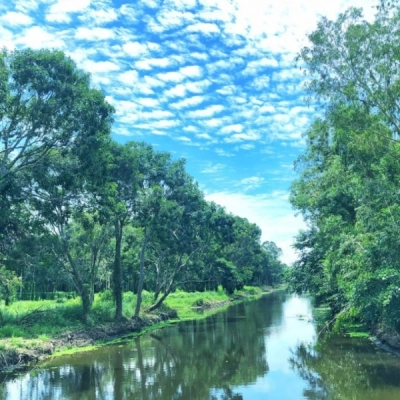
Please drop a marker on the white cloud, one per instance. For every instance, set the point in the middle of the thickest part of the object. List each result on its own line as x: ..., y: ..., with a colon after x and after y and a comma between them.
x: 253, y: 67
x: 149, y: 63
x: 240, y: 137
x: 160, y: 69
x: 214, y: 122
x: 148, y: 102
x: 199, y: 56
x: 190, y: 128
x: 151, y: 3
x: 188, y: 102
x: 176, y: 91
x: 27, y: 5
x: 212, y: 168
x: 38, y: 38
x: 7, y: 39
x: 134, y: 49
x: 203, y: 27
x: 246, y: 146
x: 157, y: 114
x: 128, y: 77
x: 207, y: 112
x: 94, y: 34
x: 251, y: 182
x: 261, y: 82
x: 69, y: 6
x: 227, y: 90
x: 192, y: 71
x: 268, y: 108
x: 287, y: 74
x: 172, y: 76
x: 166, y: 123
x: 198, y: 86
x: 169, y: 19
x: 126, y: 106
x: 204, y: 136
x: 101, y: 16
x: 182, y: 4
x: 100, y: 66
x: 99, y: 80
x: 130, y: 12
x: 184, y: 139
x: 224, y: 153
x: 60, y: 10
x: 152, y: 82
x: 16, y: 18
x: 231, y: 128
x: 218, y: 66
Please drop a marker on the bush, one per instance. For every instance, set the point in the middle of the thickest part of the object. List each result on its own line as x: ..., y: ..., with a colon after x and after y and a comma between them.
x: 8, y: 331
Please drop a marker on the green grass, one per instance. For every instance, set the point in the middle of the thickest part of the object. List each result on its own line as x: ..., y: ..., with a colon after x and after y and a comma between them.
x: 30, y: 323
x: 196, y: 305
x: 359, y: 334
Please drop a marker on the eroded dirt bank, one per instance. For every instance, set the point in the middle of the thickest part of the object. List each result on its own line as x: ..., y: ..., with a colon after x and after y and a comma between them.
x: 33, y: 351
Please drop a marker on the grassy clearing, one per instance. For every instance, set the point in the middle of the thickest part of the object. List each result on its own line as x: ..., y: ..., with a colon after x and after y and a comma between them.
x: 34, y: 325
x: 45, y: 319
x: 199, y: 305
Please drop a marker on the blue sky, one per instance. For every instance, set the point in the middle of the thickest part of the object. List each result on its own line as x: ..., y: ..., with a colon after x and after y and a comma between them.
x: 213, y: 81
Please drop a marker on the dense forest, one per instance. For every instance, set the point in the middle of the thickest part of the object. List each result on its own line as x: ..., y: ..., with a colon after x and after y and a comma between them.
x: 348, y: 184
x: 81, y: 213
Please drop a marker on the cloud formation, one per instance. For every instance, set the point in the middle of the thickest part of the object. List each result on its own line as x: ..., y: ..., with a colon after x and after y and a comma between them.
x: 213, y: 81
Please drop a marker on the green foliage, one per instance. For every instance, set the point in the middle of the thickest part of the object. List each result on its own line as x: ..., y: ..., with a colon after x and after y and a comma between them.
x: 9, y: 283
x: 82, y: 213
x: 348, y: 185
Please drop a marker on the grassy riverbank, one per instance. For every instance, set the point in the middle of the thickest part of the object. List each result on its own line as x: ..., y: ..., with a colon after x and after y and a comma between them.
x: 31, y: 331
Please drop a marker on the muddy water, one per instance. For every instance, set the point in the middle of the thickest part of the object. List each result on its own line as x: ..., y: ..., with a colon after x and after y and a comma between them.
x: 264, y: 349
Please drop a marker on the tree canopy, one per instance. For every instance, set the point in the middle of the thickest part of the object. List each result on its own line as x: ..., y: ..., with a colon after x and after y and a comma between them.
x: 83, y: 213
x: 347, y: 188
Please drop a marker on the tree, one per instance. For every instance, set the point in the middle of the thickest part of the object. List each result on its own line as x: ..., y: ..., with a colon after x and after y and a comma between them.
x: 62, y: 199
x: 135, y: 176
x: 46, y: 103
x: 181, y: 234
x: 348, y: 185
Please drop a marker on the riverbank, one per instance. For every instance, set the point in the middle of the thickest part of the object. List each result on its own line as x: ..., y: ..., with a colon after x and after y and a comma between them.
x: 382, y: 337
x: 34, y: 331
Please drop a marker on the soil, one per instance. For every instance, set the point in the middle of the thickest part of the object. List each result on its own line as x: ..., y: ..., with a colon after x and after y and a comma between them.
x: 14, y: 359
x: 387, y: 340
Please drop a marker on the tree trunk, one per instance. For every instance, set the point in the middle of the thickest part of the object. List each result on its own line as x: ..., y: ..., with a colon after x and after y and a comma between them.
x: 86, y: 303
x: 82, y: 287
x: 6, y: 297
x: 167, y: 291
x: 117, y: 273
x: 160, y: 300
x: 141, y: 273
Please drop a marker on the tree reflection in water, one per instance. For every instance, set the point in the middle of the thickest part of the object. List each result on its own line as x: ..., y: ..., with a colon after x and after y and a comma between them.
x: 195, y: 360
x: 343, y: 368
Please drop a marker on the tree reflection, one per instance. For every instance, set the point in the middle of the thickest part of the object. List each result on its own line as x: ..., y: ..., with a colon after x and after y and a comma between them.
x: 342, y: 368
x: 194, y: 360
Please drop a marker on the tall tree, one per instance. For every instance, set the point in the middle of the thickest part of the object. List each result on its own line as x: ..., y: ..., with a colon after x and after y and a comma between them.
x: 135, y: 173
x: 348, y: 185
x: 46, y: 103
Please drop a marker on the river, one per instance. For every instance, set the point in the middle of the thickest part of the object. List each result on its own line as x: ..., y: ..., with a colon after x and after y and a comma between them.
x: 262, y: 349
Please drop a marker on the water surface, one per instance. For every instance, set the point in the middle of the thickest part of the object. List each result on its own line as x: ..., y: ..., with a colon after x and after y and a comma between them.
x: 263, y: 349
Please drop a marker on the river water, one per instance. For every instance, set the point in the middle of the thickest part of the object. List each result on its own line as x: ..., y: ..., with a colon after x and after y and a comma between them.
x: 264, y: 349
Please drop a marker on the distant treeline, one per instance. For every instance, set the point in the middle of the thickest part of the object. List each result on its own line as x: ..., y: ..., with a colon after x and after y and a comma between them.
x: 80, y: 212
x: 348, y: 190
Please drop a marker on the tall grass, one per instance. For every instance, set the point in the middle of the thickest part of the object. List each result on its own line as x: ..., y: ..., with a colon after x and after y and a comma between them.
x: 45, y: 319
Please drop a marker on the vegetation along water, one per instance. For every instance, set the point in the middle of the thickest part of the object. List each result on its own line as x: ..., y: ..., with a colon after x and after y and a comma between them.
x: 97, y: 237
x: 253, y: 350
